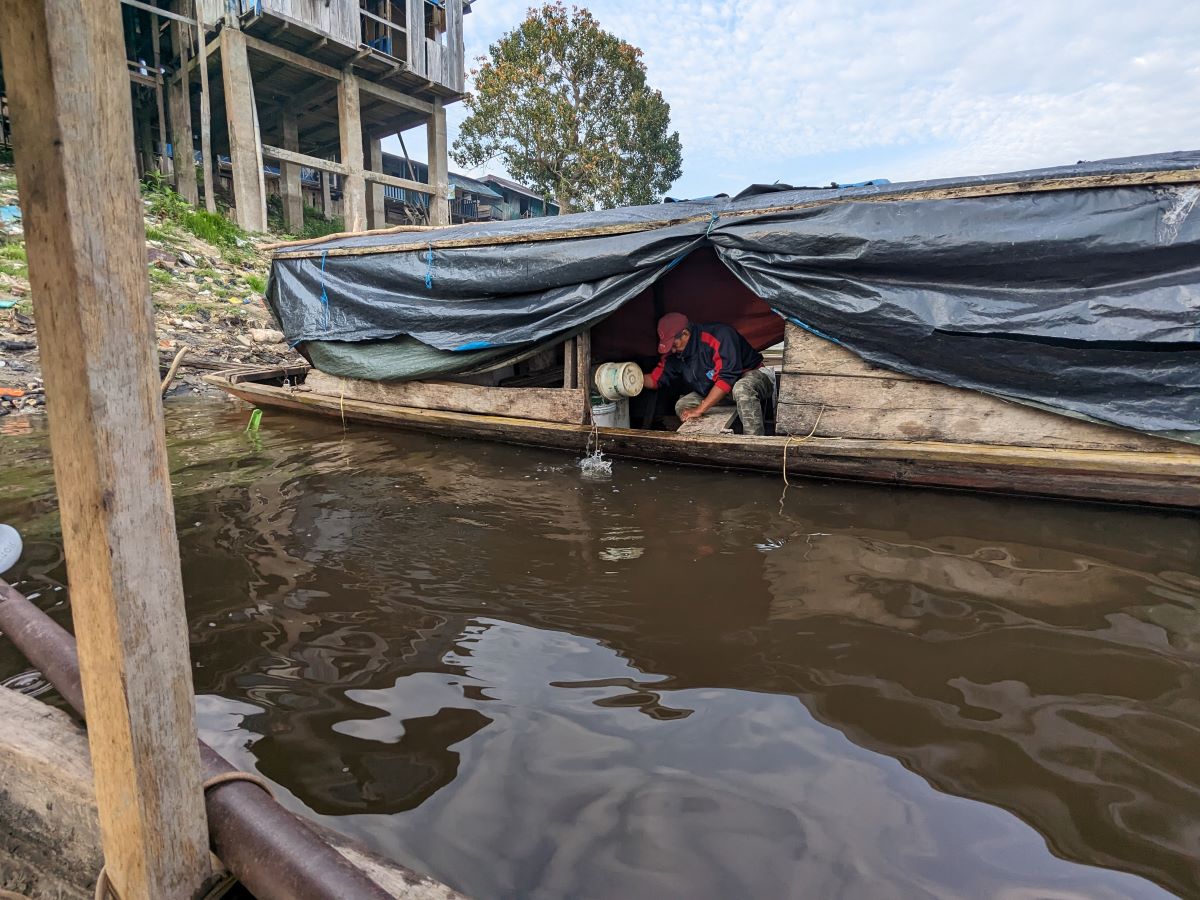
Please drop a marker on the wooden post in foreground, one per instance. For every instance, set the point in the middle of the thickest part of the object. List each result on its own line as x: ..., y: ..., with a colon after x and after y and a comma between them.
x: 68, y: 93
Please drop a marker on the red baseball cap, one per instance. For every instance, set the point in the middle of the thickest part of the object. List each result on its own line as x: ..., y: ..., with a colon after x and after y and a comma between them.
x: 669, y: 327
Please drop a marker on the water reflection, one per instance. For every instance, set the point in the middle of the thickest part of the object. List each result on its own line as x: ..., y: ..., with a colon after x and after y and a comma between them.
x: 534, y: 684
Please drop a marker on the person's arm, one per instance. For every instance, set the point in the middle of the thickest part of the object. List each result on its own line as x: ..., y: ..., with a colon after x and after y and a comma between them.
x: 714, y: 396
x: 652, y: 380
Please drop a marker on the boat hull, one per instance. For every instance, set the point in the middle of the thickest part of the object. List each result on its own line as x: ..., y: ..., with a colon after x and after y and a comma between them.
x: 1161, y: 478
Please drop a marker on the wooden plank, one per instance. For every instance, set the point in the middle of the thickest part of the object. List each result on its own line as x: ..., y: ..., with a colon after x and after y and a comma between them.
x: 718, y: 420
x: 541, y: 404
x: 65, y: 76
x: 455, y: 57
x: 302, y: 159
x: 414, y: 23
x: 396, y: 97
x: 583, y: 372
x: 292, y: 58
x: 174, y: 17
x: 570, y: 364
x: 877, y: 408
x: 245, y: 154
x: 393, y: 181
x: 206, y: 157
x: 806, y: 354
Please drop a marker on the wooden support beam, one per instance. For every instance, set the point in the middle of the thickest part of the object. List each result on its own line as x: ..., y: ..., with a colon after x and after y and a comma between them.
x: 398, y: 98
x: 174, y: 17
x: 156, y: 48
x: 303, y: 159
x: 290, y: 56
x: 65, y: 76
x: 180, y: 105
x: 245, y: 154
x: 289, y: 176
x: 583, y: 372
x: 406, y: 184
x: 354, y: 194
x: 439, y: 179
x: 376, y: 211
x: 206, y: 157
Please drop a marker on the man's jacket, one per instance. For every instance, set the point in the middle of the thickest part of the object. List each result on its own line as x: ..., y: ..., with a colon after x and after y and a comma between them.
x: 715, y: 354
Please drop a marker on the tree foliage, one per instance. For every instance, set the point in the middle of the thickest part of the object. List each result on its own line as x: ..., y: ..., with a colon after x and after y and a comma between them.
x: 565, y: 107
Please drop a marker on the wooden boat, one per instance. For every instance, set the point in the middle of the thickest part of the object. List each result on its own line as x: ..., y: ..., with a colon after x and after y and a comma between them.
x: 837, y: 417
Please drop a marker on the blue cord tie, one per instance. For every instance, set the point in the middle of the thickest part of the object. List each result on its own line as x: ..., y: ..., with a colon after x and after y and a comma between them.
x: 712, y: 220
x: 429, y: 270
x: 324, y: 294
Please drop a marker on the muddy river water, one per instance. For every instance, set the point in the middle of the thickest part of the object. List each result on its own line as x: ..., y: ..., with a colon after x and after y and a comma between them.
x: 668, y: 683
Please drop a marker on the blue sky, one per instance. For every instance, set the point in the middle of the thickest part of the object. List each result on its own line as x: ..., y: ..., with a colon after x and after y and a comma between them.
x: 812, y: 92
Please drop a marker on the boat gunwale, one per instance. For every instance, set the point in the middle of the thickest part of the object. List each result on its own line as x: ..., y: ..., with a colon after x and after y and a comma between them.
x: 1181, y: 463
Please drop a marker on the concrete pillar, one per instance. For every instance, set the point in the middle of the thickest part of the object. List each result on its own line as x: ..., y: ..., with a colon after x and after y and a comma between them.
x: 376, y: 211
x: 245, y: 152
x: 289, y: 176
x: 354, y: 193
x: 439, y: 179
x: 326, y: 195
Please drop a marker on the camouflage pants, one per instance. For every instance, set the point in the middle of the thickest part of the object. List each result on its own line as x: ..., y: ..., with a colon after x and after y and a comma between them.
x: 753, y: 393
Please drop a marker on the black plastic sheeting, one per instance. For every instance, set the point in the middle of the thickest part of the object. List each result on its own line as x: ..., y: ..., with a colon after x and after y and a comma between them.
x: 1085, y: 301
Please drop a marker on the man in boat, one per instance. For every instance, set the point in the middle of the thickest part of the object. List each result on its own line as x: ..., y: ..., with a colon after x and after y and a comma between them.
x: 716, y: 363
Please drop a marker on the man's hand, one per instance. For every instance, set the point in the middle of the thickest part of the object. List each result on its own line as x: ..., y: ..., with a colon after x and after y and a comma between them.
x: 688, y: 414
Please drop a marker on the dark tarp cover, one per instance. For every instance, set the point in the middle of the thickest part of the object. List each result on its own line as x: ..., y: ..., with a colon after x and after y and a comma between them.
x: 1085, y: 301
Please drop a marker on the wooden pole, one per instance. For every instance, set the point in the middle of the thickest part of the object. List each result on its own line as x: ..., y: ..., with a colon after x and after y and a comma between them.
x: 439, y: 202
x: 289, y: 175
x: 180, y: 104
x: 65, y: 75
x: 354, y: 187
x: 245, y: 154
x: 210, y: 199
x: 156, y: 43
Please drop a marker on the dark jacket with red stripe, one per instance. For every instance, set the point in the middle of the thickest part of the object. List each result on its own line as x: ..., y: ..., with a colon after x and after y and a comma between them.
x: 715, y: 354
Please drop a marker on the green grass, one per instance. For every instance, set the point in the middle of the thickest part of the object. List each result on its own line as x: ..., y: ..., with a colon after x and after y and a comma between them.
x: 8, y: 182
x: 165, y: 203
x: 13, y: 251
x: 15, y: 269
x: 212, y: 227
x: 154, y: 233
x: 161, y: 276
x: 257, y: 282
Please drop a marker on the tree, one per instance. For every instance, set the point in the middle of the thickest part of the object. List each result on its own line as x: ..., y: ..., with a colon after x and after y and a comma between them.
x: 566, y: 108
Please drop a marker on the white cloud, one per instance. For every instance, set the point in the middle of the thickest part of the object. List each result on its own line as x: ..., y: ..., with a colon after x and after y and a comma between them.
x: 804, y: 92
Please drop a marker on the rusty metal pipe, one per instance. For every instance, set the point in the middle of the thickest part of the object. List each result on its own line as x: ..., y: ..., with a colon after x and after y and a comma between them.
x: 273, y: 852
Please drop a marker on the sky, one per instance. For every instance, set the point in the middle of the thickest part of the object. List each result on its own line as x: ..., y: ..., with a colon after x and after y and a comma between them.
x: 810, y: 92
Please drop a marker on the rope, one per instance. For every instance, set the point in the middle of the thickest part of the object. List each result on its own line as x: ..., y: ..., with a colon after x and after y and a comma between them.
x: 429, y: 269
x: 712, y: 220
x: 788, y: 443
x: 104, y: 888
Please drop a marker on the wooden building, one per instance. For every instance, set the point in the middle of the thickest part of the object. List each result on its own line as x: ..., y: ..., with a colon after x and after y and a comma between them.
x: 519, y: 201
x: 233, y: 85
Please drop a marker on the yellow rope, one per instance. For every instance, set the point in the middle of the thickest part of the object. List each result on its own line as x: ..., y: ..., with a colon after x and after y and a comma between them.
x: 788, y: 443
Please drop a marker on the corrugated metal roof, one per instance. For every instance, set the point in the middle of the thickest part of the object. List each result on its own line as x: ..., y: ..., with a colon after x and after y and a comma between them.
x: 474, y: 186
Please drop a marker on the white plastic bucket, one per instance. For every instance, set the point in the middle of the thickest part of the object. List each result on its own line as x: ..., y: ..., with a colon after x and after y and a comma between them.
x: 614, y: 414
x: 617, y: 380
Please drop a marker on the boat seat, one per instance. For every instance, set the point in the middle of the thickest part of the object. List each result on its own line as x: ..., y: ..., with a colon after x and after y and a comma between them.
x: 718, y: 420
